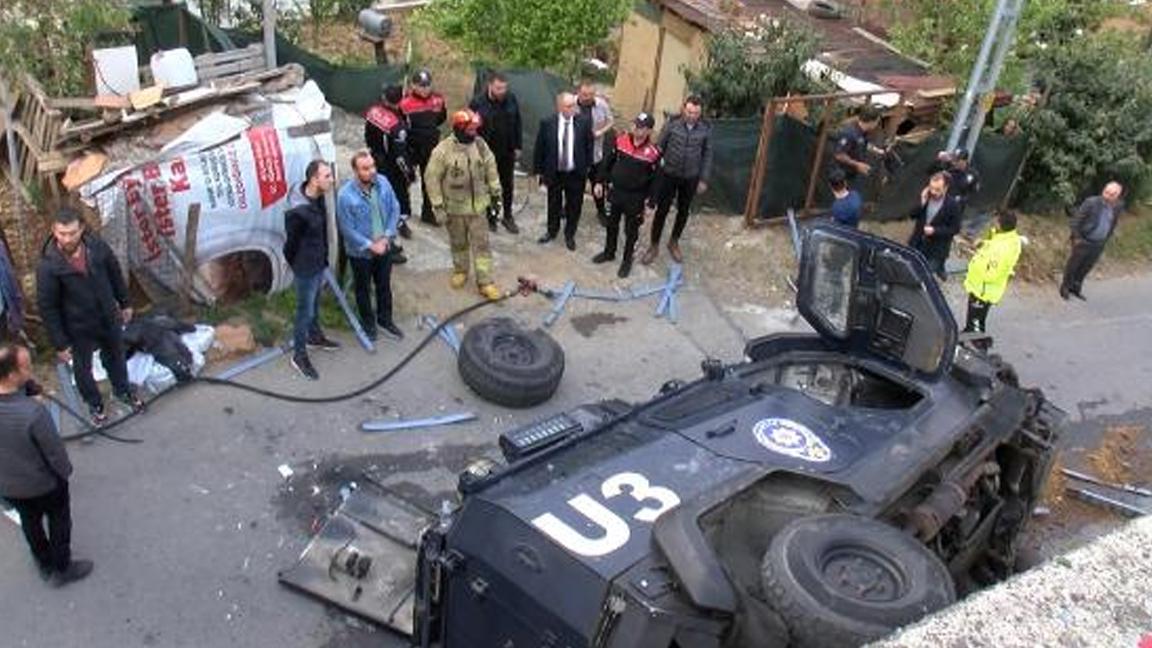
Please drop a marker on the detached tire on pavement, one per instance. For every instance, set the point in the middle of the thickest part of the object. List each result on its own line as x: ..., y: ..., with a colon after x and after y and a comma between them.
x: 844, y: 580
x: 509, y: 366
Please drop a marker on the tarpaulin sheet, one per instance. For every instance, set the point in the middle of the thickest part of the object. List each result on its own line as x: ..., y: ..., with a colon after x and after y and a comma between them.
x: 241, y: 182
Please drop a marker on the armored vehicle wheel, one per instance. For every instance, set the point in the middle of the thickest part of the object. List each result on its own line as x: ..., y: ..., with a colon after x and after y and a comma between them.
x: 509, y: 366
x: 843, y: 580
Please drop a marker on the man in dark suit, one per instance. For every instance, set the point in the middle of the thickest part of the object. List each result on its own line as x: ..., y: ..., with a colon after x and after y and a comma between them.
x: 1092, y: 225
x: 937, y: 222
x: 563, y: 156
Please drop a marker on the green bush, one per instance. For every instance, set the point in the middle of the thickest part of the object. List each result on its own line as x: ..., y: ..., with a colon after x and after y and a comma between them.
x: 748, y: 66
x: 1094, y: 126
x: 525, y: 33
x: 50, y: 39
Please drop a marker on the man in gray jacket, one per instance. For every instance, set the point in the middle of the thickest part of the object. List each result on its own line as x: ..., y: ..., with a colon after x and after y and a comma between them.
x: 686, y: 144
x: 1092, y: 225
x: 34, y: 471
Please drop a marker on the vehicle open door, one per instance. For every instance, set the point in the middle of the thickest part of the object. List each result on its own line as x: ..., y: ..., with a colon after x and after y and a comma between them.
x: 869, y: 295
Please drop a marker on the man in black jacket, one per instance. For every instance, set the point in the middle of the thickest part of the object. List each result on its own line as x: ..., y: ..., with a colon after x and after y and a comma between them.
x: 426, y: 112
x: 306, y: 250
x: 686, y: 143
x: 386, y: 133
x: 83, y: 301
x: 1091, y: 226
x: 34, y: 470
x: 501, y: 129
x: 563, y: 157
x: 629, y: 168
x: 937, y: 222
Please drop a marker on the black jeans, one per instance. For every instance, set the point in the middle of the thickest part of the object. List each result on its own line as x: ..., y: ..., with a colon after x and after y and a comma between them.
x: 977, y: 317
x: 565, y: 198
x: 399, y: 183
x: 418, y: 154
x: 633, y: 218
x: 52, y: 550
x: 1081, y: 260
x: 506, y: 168
x: 683, y: 190
x: 366, y: 272
x: 593, y: 178
x: 111, y: 347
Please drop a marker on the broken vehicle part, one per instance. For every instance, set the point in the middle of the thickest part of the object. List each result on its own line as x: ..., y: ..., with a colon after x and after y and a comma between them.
x: 508, y: 365
x: 409, y: 424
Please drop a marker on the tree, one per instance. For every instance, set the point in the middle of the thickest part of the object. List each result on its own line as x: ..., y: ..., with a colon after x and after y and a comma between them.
x: 950, y: 38
x: 49, y: 39
x: 1094, y: 127
x: 527, y: 33
x: 748, y: 66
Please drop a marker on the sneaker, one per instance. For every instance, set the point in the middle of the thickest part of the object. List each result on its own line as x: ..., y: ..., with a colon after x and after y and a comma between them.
x: 430, y: 220
x: 674, y: 250
x: 131, y: 400
x: 603, y: 257
x: 46, y: 573
x: 650, y: 255
x: 490, y: 292
x: 625, y: 268
x: 404, y: 230
x: 323, y: 343
x: 371, y: 334
x: 77, y: 570
x: 391, y: 331
x: 97, y: 414
x: 510, y: 225
x: 399, y: 258
x: 303, y: 365
x: 459, y: 279
x: 570, y: 243
x: 492, y: 225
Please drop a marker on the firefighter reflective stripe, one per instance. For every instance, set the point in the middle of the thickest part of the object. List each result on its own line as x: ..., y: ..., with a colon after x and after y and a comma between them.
x: 992, y: 266
x: 614, y: 531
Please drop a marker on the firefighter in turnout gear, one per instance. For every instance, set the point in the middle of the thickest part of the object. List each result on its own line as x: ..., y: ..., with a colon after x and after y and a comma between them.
x: 628, y: 178
x: 386, y: 133
x: 463, y: 183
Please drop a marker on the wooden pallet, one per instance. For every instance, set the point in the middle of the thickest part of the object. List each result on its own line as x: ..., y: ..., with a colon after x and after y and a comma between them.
x: 37, y: 126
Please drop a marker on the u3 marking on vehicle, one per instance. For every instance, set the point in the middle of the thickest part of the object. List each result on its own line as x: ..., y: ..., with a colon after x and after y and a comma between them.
x: 658, y: 500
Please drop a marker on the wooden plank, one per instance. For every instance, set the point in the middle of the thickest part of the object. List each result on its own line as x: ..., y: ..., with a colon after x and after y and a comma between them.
x: 256, y: 50
x: 814, y: 168
x: 756, y: 182
x: 230, y: 69
x: 191, y: 233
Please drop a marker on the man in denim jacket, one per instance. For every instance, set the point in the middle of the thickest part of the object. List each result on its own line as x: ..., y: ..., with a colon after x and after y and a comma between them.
x: 368, y: 213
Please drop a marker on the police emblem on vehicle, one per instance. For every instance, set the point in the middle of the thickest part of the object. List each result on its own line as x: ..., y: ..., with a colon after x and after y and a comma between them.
x: 792, y: 439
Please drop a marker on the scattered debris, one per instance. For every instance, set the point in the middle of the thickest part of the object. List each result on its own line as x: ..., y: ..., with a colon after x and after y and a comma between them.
x: 559, y: 302
x: 448, y: 333
x: 251, y: 363
x: 233, y: 339
x: 1093, y: 497
x: 408, y: 424
x: 285, y: 470
x: 1127, y: 488
x: 353, y: 321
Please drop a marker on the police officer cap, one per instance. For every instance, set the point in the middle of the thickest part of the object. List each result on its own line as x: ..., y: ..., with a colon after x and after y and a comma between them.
x: 644, y: 120
x: 422, y: 78
x: 960, y: 154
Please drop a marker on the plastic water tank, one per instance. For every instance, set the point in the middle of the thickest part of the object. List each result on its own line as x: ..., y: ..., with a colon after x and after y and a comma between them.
x: 174, y: 68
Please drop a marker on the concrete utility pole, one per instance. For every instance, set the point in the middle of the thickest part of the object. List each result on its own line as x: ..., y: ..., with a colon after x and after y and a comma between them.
x: 270, y: 33
x: 978, y: 96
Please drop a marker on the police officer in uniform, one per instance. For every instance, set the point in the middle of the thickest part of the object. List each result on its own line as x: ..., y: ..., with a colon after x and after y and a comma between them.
x: 851, y: 150
x: 426, y: 112
x: 629, y: 171
x: 386, y: 135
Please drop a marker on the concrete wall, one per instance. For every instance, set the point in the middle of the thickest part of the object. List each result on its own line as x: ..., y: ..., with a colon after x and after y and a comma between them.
x: 651, y: 69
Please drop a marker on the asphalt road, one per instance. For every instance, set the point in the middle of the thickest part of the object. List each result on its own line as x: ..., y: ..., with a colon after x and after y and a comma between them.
x: 189, y: 529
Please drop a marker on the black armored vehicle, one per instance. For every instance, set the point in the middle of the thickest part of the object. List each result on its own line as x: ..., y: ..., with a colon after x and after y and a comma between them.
x: 825, y: 491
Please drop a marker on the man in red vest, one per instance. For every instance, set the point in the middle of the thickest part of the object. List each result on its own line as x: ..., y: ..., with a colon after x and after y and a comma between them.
x: 426, y: 113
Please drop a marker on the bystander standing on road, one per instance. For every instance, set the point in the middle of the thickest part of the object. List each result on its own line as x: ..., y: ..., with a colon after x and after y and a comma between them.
x: 34, y: 471
x: 686, y: 143
x: 937, y: 219
x: 846, y: 203
x: 426, y: 112
x: 562, y: 160
x: 306, y: 251
x: 990, y: 269
x: 501, y: 129
x: 596, y: 109
x: 83, y: 301
x: 367, y: 212
x: 463, y: 182
x: 1091, y: 226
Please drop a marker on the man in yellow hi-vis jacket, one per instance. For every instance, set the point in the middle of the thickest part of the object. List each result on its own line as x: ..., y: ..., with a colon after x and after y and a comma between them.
x: 990, y: 269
